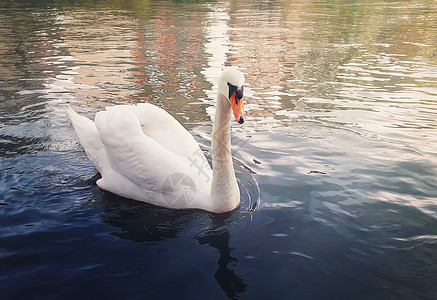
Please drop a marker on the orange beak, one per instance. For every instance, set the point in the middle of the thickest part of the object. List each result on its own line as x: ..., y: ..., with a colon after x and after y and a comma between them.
x: 237, y: 108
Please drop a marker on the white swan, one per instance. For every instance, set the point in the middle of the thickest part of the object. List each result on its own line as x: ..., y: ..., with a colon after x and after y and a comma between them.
x: 143, y: 153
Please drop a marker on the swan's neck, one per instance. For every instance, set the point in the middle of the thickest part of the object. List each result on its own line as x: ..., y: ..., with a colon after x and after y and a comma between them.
x: 224, y: 187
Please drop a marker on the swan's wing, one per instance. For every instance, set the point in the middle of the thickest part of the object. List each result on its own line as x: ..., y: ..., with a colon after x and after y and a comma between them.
x: 89, y: 139
x: 167, y: 131
x: 163, y: 128
x: 132, y: 154
x: 159, y: 125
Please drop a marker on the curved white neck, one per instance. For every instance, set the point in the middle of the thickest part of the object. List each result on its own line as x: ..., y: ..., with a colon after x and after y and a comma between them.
x: 224, y: 188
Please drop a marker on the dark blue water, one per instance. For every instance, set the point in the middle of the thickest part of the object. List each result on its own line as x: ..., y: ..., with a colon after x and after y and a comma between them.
x: 337, y: 162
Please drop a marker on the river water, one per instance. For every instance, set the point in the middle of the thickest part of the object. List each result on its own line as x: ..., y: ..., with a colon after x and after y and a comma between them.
x: 337, y: 161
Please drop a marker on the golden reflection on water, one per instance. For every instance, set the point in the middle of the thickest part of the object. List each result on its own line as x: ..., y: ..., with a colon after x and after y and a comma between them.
x: 367, y: 68
x: 266, y: 43
x: 102, y: 46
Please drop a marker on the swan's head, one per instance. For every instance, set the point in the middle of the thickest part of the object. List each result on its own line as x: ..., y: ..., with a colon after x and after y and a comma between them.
x: 231, y: 85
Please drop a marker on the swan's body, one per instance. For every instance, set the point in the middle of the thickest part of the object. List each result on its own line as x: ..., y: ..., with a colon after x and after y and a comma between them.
x: 143, y: 153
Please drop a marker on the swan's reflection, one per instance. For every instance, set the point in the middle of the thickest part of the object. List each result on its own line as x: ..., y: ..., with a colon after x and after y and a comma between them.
x: 141, y: 222
x: 231, y: 283
x: 146, y: 224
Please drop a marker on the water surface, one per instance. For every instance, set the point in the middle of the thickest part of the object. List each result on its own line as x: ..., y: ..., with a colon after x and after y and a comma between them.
x: 337, y: 162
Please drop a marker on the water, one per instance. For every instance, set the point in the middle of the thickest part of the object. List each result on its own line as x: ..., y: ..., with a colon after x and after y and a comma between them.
x: 337, y: 161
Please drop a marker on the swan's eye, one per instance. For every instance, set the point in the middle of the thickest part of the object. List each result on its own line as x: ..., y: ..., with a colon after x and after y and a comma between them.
x: 240, y: 92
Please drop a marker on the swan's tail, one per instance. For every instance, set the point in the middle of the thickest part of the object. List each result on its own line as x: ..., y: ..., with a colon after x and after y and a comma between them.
x: 89, y: 139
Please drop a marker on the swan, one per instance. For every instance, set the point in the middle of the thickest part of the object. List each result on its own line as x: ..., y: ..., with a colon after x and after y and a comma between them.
x: 144, y: 154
